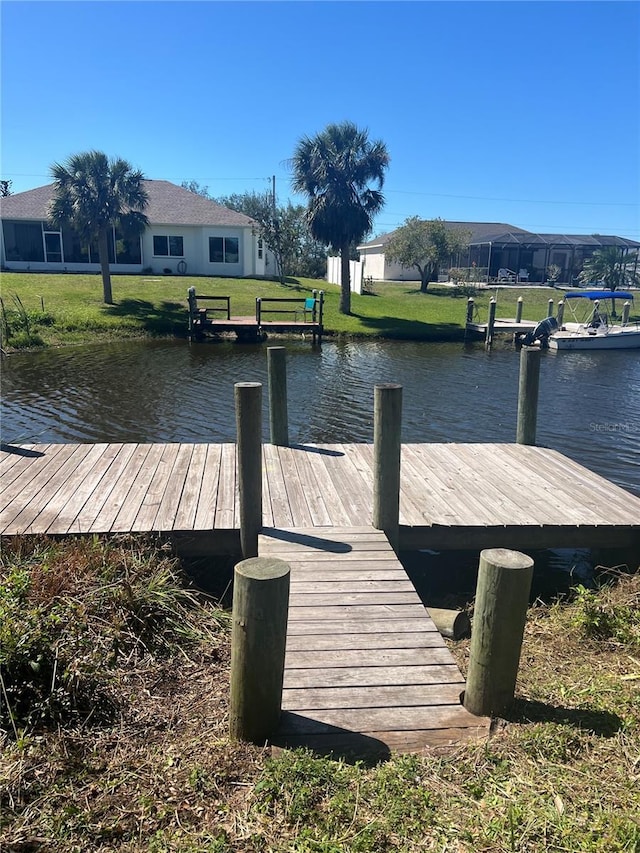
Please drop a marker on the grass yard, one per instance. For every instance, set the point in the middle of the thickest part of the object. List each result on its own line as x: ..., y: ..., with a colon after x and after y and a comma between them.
x: 115, y: 672
x: 41, y: 309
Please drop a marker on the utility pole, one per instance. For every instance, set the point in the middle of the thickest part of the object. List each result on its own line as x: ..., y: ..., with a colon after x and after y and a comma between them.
x: 276, y: 230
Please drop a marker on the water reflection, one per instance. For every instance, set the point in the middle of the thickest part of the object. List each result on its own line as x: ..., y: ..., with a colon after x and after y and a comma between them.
x: 173, y: 391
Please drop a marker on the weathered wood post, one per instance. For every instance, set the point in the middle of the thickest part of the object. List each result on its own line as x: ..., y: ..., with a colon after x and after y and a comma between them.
x: 529, y: 383
x: 248, y: 400
x: 193, y: 310
x: 387, y: 423
x: 560, y: 313
x: 278, y: 416
x: 502, y: 597
x: 258, y: 640
x: 491, y: 320
x: 519, y: 305
x: 625, y: 312
x: 319, y: 318
x: 453, y: 624
x: 550, y: 308
x: 470, y: 309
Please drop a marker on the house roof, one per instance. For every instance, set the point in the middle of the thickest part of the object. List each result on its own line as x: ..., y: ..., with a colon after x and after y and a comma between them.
x: 500, y: 233
x: 527, y: 238
x: 479, y: 232
x: 169, y: 204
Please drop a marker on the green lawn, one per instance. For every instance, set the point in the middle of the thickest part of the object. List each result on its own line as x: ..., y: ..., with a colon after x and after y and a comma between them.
x: 43, y: 309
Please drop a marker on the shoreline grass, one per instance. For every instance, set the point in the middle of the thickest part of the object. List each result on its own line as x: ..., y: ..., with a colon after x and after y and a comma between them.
x: 45, y: 309
x: 561, y: 771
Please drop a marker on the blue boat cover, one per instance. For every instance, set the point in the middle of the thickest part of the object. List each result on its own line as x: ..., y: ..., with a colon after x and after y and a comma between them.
x: 599, y: 294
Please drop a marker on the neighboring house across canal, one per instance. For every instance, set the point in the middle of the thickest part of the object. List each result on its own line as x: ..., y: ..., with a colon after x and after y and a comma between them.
x: 495, y: 246
x: 187, y: 233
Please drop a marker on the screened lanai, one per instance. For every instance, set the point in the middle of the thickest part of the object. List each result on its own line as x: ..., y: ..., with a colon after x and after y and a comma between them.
x: 530, y: 255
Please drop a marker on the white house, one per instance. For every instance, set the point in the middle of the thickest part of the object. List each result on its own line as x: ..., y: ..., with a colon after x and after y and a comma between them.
x: 379, y: 268
x: 187, y: 233
x: 494, y: 246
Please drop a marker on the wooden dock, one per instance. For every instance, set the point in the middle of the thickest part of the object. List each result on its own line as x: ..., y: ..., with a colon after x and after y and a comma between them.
x: 505, y: 325
x: 366, y: 671
x: 275, y: 315
x: 452, y: 495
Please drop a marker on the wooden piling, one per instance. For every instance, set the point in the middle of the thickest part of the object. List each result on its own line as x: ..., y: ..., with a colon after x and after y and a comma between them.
x: 519, y: 305
x: 248, y: 404
x: 258, y: 640
x: 453, y: 624
x: 490, y: 323
x: 193, y: 310
x: 529, y: 383
x: 278, y: 415
x: 502, y: 597
x: 550, y: 308
x: 560, y: 313
x: 625, y: 312
x: 470, y: 309
x: 387, y: 422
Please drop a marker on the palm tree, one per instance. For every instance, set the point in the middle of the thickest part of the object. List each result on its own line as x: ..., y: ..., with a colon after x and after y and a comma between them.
x: 611, y: 265
x: 93, y: 194
x: 334, y: 170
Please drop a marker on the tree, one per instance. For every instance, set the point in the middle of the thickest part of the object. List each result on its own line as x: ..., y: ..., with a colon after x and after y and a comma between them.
x: 5, y: 188
x: 195, y: 187
x: 424, y: 244
x: 611, y: 266
x: 334, y: 170
x: 284, y: 229
x: 94, y: 194
x: 262, y: 208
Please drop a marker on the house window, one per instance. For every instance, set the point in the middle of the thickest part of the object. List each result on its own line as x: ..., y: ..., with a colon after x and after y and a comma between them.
x: 128, y: 249
x: 224, y: 250
x: 76, y: 250
x: 260, y: 250
x: 168, y: 246
x: 23, y: 241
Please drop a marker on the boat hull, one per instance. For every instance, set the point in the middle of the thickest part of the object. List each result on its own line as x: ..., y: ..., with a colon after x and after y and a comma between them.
x: 613, y: 339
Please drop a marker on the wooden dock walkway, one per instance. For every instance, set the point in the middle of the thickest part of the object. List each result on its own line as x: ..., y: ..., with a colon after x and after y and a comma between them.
x: 452, y: 495
x: 366, y: 670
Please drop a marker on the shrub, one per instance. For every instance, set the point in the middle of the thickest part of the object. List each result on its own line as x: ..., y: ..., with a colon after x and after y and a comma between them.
x: 70, y: 615
x: 610, y: 614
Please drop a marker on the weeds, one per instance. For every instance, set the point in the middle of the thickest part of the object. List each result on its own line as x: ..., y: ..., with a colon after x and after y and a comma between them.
x: 561, y: 773
x: 21, y: 328
x: 607, y: 615
x: 71, y: 616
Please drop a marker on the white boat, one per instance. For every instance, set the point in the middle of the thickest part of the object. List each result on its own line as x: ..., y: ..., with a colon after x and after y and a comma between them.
x: 598, y: 331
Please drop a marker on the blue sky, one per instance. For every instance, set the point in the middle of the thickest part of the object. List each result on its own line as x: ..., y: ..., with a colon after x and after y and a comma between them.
x: 518, y: 112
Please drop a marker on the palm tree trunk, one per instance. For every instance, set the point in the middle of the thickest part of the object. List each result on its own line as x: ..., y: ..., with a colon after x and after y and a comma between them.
x: 345, y: 280
x: 103, y: 252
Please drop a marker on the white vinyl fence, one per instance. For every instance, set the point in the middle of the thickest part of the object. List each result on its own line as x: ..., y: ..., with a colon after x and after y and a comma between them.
x: 355, y: 273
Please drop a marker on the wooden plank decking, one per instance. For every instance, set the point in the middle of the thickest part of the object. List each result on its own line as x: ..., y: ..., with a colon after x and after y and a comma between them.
x: 366, y: 670
x: 452, y: 495
x: 504, y: 324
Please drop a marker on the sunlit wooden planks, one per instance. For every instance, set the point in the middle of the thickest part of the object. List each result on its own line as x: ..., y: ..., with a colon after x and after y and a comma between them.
x: 365, y: 669
x: 473, y: 495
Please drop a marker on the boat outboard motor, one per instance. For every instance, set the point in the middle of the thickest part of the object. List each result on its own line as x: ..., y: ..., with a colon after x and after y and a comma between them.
x: 542, y: 331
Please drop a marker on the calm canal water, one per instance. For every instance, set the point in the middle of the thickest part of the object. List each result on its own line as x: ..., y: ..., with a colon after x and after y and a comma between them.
x: 174, y: 391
